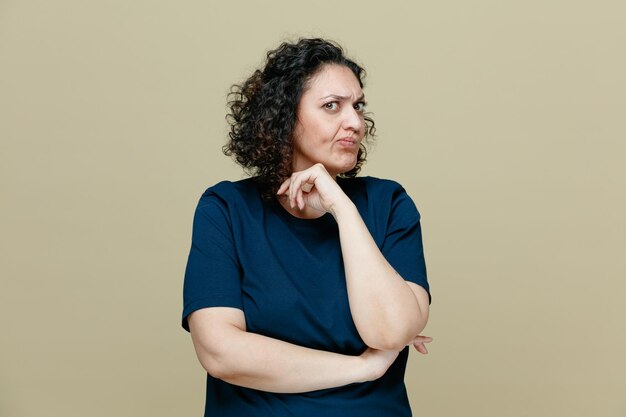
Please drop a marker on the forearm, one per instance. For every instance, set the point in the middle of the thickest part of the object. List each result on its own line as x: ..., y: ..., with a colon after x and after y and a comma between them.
x: 384, y: 308
x: 255, y: 361
x: 267, y: 364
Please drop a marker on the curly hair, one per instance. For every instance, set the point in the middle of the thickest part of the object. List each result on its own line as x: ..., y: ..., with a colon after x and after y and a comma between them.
x: 262, y: 113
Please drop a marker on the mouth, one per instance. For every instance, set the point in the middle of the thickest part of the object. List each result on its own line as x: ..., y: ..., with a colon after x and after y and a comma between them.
x: 348, y: 141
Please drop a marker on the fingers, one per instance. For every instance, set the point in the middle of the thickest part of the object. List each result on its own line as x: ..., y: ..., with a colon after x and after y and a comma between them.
x: 293, y: 193
x: 295, y: 187
x: 311, y: 187
x: 423, y: 339
x: 421, y: 348
x: 300, y: 198
x: 284, y: 186
x: 419, y: 344
x: 305, y: 188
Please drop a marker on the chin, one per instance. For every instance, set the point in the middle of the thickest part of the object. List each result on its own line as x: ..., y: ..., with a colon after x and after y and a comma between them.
x: 346, y: 167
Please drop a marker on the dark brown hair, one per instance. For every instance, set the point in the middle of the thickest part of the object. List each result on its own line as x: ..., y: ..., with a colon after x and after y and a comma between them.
x: 263, y: 109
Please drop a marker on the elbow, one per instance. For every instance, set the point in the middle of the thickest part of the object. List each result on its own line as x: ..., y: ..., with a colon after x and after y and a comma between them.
x: 218, y: 371
x: 213, y: 339
x: 215, y: 358
x: 215, y: 364
x: 389, y: 340
x: 394, y: 338
x: 396, y: 328
x: 395, y: 342
x: 389, y: 345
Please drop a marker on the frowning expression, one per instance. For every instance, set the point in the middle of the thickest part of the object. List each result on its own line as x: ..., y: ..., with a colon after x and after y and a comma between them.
x: 329, y: 121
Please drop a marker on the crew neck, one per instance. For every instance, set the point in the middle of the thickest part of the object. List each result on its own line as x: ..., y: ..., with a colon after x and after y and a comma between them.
x: 325, y: 218
x: 282, y: 212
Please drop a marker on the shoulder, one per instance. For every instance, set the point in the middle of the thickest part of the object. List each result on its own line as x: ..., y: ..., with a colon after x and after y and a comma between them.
x: 229, y: 193
x: 225, y: 197
x: 380, y: 189
x: 229, y: 190
x: 384, y: 196
x: 382, y: 184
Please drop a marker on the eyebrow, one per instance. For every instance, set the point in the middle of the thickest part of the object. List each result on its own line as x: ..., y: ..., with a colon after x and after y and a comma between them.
x: 343, y: 98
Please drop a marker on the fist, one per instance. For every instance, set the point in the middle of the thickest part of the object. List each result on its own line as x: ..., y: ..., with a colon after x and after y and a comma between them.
x: 313, y: 187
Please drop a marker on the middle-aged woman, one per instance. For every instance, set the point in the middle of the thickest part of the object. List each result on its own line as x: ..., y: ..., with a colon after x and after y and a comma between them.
x: 305, y: 284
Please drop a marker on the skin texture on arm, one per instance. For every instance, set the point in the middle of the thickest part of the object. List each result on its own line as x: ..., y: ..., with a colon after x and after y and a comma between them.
x: 388, y: 311
x: 230, y: 353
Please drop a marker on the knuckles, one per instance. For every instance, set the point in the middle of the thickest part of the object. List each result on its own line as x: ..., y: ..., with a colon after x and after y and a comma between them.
x: 318, y: 168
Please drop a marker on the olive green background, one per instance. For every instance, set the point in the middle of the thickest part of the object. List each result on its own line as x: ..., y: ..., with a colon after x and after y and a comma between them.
x: 504, y: 121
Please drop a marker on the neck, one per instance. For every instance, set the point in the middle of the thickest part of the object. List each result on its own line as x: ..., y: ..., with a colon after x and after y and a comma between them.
x: 307, y: 213
x: 298, y: 166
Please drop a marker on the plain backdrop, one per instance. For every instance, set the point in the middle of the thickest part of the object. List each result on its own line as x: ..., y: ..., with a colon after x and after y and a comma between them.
x: 504, y: 120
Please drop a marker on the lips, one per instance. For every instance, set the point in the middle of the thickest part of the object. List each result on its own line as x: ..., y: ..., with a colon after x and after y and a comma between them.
x: 347, y: 141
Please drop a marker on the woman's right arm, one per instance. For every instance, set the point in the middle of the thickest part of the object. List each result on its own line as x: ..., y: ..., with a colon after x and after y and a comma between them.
x: 230, y: 353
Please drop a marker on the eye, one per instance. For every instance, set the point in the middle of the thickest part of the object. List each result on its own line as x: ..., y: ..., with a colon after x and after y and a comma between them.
x: 333, y: 105
x: 360, y: 106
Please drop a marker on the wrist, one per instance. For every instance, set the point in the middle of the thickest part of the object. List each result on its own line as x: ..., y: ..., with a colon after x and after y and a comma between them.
x: 342, y: 207
x: 364, y: 371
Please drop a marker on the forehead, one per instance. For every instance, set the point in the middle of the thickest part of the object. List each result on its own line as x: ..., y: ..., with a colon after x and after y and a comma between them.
x: 336, y: 80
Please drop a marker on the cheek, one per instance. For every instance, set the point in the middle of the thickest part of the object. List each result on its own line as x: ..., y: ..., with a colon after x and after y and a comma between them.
x: 316, y: 129
x: 321, y: 132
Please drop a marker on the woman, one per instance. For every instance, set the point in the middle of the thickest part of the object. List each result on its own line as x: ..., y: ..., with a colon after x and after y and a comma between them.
x: 304, y: 283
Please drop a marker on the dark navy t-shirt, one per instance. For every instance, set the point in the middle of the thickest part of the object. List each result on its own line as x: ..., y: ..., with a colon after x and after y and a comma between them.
x: 287, y: 276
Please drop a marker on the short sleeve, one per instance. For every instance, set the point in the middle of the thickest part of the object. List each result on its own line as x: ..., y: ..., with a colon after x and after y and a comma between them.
x: 402, y: 246
x: 213, y: 274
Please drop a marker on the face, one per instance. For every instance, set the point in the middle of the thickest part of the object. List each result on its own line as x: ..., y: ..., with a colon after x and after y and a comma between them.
x: 329, y: 121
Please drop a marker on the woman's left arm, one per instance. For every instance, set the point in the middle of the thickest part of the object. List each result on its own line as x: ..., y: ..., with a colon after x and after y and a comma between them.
x: 388, y: 311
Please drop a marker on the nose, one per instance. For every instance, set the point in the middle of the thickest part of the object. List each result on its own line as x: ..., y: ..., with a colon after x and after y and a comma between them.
x: 353, y: 119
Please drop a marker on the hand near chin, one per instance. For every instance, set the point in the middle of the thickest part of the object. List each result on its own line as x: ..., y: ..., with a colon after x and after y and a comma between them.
x: 313, y: 187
